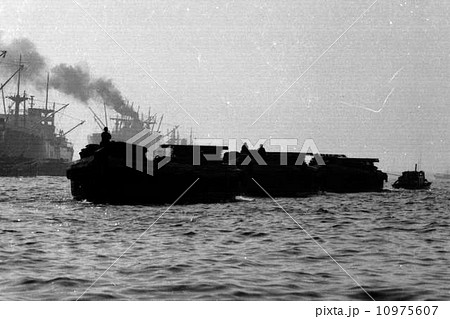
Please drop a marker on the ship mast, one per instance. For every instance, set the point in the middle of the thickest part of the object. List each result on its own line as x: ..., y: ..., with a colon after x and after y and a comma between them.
x: 106, y: 114
x: 4, y: 105
x: 17, y: 99
x: 18, y: 75
x: 24, y: 110
x: 46, y: 91
x: 16, y: 118
x: 160, y: 122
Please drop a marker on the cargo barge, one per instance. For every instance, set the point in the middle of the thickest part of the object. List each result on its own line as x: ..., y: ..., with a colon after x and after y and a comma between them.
x: 212, y: 175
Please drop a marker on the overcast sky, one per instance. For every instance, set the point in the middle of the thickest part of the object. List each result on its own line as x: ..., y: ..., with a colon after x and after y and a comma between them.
x: 382, y: 89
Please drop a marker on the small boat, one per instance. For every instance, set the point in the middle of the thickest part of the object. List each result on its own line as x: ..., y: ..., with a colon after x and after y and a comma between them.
x: 412, y: 180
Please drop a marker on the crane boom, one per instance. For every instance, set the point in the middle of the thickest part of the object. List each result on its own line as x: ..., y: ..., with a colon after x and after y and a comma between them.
x: 81, y: 123
x: 97, y: 119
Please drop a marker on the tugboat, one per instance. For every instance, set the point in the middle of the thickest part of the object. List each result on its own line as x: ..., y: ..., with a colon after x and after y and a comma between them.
x: 412, y: 180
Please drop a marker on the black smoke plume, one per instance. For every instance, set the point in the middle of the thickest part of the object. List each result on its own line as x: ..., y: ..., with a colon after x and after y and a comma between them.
x: 72, y: 80
x: 106, y: 89
x: 34, y: 62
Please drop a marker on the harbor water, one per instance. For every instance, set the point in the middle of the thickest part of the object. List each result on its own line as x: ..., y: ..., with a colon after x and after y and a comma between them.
x: 392, y: 245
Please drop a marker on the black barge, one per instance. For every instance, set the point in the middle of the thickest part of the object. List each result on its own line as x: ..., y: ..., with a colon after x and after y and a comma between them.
x: 102, y: 175
x: 106, y: 175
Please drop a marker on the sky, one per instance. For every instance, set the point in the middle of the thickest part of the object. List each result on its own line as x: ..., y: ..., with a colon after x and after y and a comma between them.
x: 361, y: 78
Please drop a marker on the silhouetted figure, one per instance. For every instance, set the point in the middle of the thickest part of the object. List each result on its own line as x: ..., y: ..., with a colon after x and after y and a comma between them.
x: 244, y: 149
x: 106, y: 137
x: 262, y: 151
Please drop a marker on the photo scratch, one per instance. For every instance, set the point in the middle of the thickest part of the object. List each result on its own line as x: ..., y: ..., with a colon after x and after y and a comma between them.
x: 368, y: 108
x: 395, y: 74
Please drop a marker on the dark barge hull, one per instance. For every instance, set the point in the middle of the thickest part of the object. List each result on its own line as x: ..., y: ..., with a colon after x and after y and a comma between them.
x: 339, y: 179
x: 339, y: 174
x: 128, y: 186
x: 104, y: 177
x: 412, y: 187
x: 20, y: 167
x: 52, y: 167
x: 17, y: 167
x: 279, y: 181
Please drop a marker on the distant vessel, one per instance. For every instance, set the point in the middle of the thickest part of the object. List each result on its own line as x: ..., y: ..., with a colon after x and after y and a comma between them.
x: 412, y: 180
x: 126, y: 126
x: 29, y: 144
x: 442, y: 175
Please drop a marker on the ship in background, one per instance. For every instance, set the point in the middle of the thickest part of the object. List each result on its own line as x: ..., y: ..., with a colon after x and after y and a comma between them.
x: 125, y: 127
x: 442, y: 175
x: 29, y: 142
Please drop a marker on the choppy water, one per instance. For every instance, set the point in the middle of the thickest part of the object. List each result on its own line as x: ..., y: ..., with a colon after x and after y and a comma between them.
x: 395, y: 244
